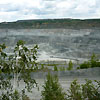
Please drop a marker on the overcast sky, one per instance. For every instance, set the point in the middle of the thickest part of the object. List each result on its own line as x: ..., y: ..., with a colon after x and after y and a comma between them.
x: 12, y: 10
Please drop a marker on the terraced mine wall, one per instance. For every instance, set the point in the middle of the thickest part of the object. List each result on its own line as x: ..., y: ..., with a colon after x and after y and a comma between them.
x: 74, y: 44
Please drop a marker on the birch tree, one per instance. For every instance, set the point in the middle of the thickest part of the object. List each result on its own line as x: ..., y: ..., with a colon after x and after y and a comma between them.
x: 16, y: 67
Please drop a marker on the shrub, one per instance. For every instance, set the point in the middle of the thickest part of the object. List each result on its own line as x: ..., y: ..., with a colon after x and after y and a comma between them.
x: 87, y: 91
x: 52, y: 89
x: 55, y: 68
x: 14, y: 95
x: 85, y: 65
x: 93, y: 62
x: 62, y: 68
x: 42, y: 66
x: 70, y: 65
x: 74, y: 92
x: 90, y: 91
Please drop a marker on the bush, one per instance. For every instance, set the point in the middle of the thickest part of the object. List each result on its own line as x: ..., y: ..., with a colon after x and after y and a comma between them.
x: 85, y: 65
x: 74, y: 92
x: 87, y: 91
x: 52, y: 89
x: 70, y: 65
x: 93, y: 62
x: 42, y: 66
x: 14, y: 95
x: 55, y: 68
x: 62, y: 68
x: 91, y: 91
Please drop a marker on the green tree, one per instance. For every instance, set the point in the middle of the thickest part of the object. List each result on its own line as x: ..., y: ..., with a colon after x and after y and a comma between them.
x: 62, y: 68
x: 91, y: 90
x: 70, y: 65
x: 87, y: 91
x: 52, y: 89
x: 55, y: 68
x: 74, y: 92
x: 16, y: 67
x: 84, y: 65
x: 93, y: 62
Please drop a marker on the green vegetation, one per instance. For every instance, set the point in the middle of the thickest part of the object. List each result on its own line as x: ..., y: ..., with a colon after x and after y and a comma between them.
x: 52, y: 89
x: 62, y: 68
x: 87, y: 91
x: 70, y: 65
x: 55, y: 68
x: 74, y: 92
x: 42, y: 66
x: 17, y: 67
x: 93, y: 62
x: 52, y: 23
x: 22, y: 62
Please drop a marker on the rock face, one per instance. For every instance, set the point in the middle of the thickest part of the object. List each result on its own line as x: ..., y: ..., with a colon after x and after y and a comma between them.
x: 56, y: 43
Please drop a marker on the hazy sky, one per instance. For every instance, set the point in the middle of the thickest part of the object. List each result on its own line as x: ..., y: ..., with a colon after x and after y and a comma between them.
x: 12, y: 10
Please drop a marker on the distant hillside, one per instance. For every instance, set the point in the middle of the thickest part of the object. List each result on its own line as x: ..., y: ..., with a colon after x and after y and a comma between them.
x: 52, y: 23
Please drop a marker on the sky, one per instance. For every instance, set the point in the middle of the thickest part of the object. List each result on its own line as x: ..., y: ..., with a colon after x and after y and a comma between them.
x: 13, y: 10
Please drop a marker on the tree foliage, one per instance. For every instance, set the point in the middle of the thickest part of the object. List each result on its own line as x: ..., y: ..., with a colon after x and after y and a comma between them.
x: 93, y: 62
x: 17, y: 66
x: 87, y: 91
x: 70, y: 65
x: 52, y: 89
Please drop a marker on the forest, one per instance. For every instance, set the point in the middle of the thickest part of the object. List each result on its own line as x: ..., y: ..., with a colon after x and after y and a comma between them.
x: 52, y: 23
